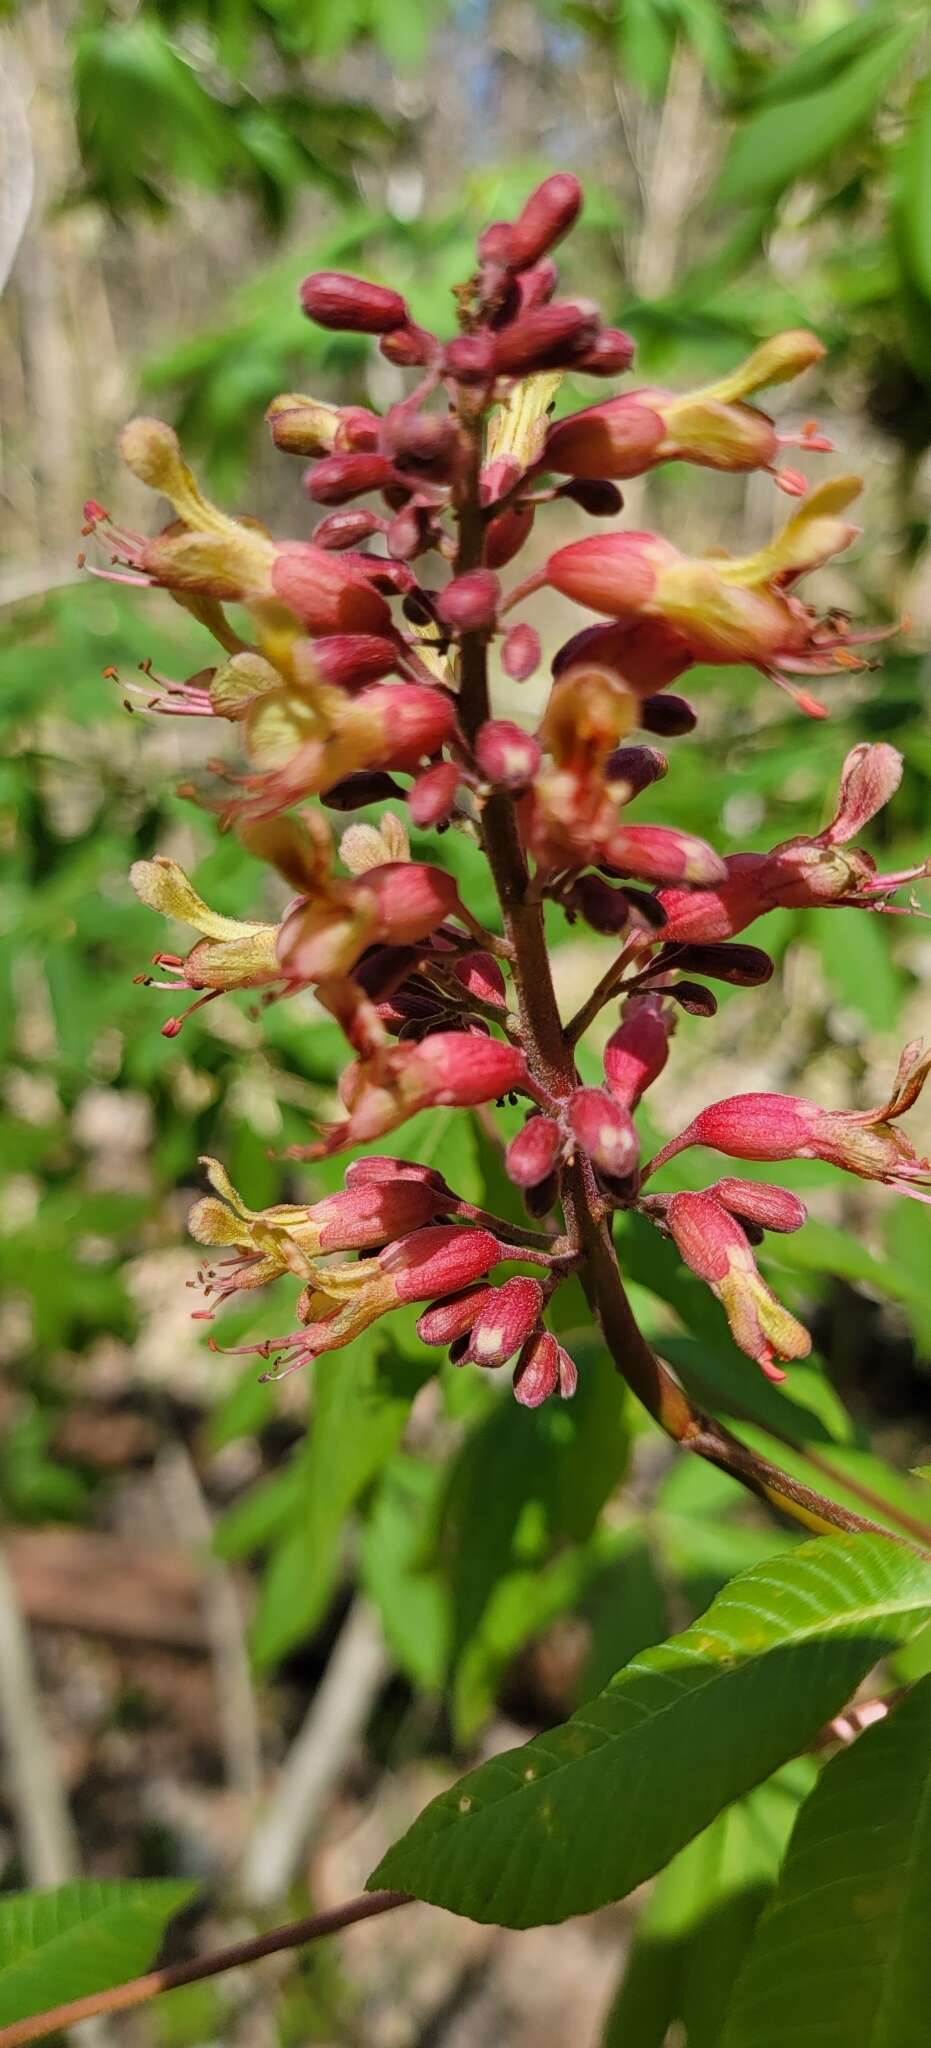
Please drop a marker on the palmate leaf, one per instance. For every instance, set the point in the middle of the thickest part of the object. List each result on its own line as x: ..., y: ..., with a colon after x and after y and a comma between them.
x: 586, y: 1812
x: 840, y: 1955
x: 79, y: 1938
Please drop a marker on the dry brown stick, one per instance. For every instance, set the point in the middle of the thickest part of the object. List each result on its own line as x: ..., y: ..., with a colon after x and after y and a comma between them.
x: 122, y: 1996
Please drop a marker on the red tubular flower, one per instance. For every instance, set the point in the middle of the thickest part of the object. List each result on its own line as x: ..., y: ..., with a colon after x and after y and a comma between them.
x: 531, y: 1155
x: 604, y: 1130
x: 347, y: 660
x: 520, y: 655
x: 790, y: 1127
x: 439, y: 1260
x: 548, y: 337
x: 390, y: 1083
x: 350, y: 304
x: 326, y: 595
x: 637, y: 1051
x: 713, y: 1245
x: 504, y: 1321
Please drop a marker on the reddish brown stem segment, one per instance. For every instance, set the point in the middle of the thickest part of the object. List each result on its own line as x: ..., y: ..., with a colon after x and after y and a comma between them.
x: 121, y: 1996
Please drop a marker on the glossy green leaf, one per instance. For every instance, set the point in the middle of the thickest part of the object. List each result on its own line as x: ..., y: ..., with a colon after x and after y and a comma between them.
x: 586, y: 1812
x: 79, y: 1938
x: 915, y: 195
x: 699, y: 1919
x: 841, y: 1953
x: 792, y: 139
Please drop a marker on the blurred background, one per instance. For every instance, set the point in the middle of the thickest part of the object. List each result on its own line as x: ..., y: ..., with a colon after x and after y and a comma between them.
x: 239, y: 1650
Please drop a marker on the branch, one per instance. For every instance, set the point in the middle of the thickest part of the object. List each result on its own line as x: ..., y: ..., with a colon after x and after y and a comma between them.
x: 140, y: 1989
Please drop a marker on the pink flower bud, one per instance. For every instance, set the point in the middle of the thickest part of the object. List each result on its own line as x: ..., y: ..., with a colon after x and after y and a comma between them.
x: 631, y: 769
x: 433, y: 795
x: 604, y: 1130
x: 542, y: 1369
x: 618, y: 438
x: 508, y: 757
x: 458, y: 1068
x: 346, y: 530
x: 870, y: 776
x: 537, y: 285
x: 347, y: 659
x: 409, y: 346
x: 340, y: 477
x: 325, y: 594
x: 532, y: 1154
x: 303, y: 426
x: 610, y: 355
x: 547, y: 337
x: 505, y: 1321
x: 410, y: 532
x: 505, y: 536
x: 350, y: 304
x: 469, y: 604
x: 470, y: 359
x: 637, y: 1051
x: 481, y: 976
x: 421, y: 439
x: 416, y: 720
x: 658, y: 853
x: 520, y: 655
x: 668, y: 716
x: 757, y: 1201
x: 494, y: 242
x: 439, y: 1260
x: 410, y: 900
x: 543, y: 220
x: 446, y: 1320
x: 358, y: 429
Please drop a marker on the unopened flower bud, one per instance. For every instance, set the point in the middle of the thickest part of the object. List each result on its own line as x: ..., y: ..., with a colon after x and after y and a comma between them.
x: 657, y: 853
x: 433, y: 794
x: 610, y: 355
x: 351, y: 304
x: 481, y: 976
x: 505, y: 1321
x: 549, y: 337
x: 347, y: 659
x: 463, y: 1071
x: 537, y: 285
x: 520, y: 654
x: 409, y: 347
x: 604, y: 1130
x: 544, y: 219
x: 354, y: 792
x: 410, y: 532
x: 340, y: 477
x: 668, y: 716
x: 532, y: 1154
x: 631, y: 769
x: 637, y: 1051
x: 303, y: 426
x: 605, y: 909
x: 507, y: 757
x: 453, y: 1317
x: 758, y: 1201
x: 346, y: 530
x: 542, y: 1369
x: 470, y: 359
x: 694, y: 998
x: 600, y: 499
x: 425, y: 439
x: 505, y: 536
x: 379, y: 1166
x: 358, y: 430
x: 743, y: 966
x: 469, y: 604
x: 494, y: 242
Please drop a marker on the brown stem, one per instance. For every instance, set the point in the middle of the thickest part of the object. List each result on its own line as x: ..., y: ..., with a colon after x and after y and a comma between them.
x: 550, y: 1056
x: 140, y: 1989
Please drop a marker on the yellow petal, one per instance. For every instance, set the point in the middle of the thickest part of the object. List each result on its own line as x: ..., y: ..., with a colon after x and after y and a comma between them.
x: 164, y: 886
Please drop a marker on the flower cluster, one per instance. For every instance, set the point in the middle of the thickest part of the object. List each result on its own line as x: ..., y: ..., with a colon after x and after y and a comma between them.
x: 359, y: 667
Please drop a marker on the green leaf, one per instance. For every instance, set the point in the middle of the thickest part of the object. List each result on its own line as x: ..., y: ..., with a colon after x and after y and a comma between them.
x: 841, y: 1953
x: 586, y: 1812
x: 700, y: 1918
x: 80, y: 1938
x: 412, y: 1602
x: 914, y: 193
x: 790, y: 140
x: 862, y: 974
x: 821, y: 61
x: 362, y: 1400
